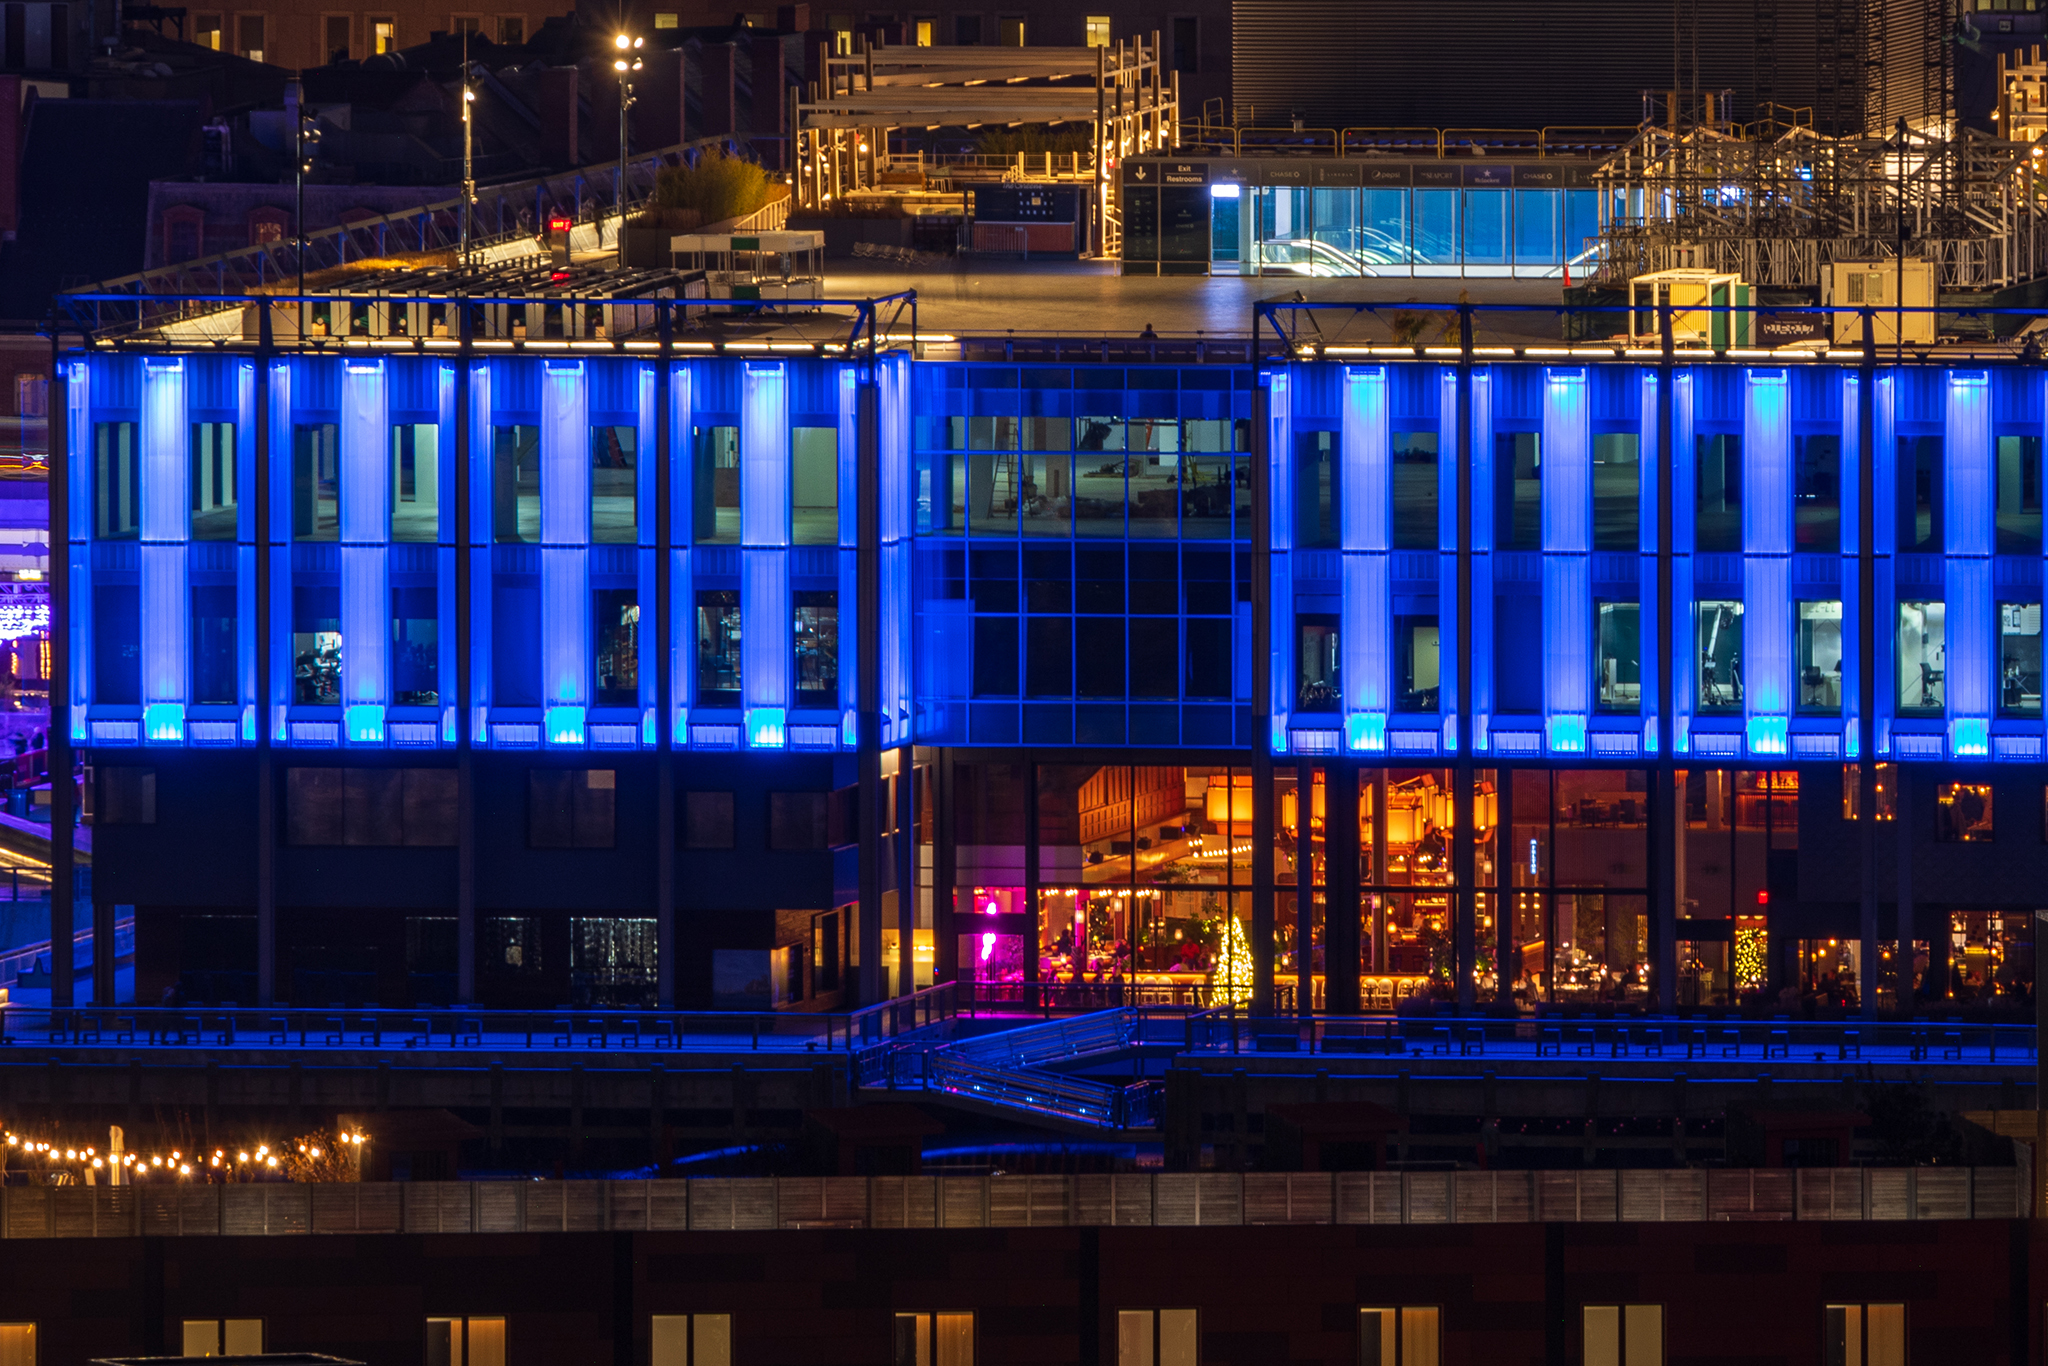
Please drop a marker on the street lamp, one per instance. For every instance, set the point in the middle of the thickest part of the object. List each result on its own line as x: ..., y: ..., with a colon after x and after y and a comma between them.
x: 626, y: 63
x: 468, y: 158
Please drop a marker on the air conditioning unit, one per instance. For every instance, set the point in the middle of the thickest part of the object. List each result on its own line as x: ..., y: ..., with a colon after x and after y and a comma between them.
x: 1891, y: 290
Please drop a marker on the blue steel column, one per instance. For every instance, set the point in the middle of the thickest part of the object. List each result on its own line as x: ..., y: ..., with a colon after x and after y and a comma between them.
x: 565, y: 551
x: 1269, y: 404
x: 664, y: 670
x: 868, y: 759
x: 1858, y: 734
x: 466, y: 444
x: 1663, y: 804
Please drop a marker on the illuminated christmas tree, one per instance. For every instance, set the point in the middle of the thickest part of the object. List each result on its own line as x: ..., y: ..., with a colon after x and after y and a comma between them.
x: 1233, y: 975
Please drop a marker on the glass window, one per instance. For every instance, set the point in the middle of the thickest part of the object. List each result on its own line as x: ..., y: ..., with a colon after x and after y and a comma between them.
x: 1415, y: 490
x: 1047, y: 496
x: 1316, y: 490
x: 814, y: 485
x: 515, y: 639
x: 1717, y: 475
x: 718, y: 647
x: 1817, y: 492
x: 614, y: 501
x: 1335, y: 232
x: 1922, y: 656
x: 1398, y: 1337
x: 214, y: 499
x: 1384, y: 236
x: 993, y: 494
x: 707, y: 820
x: 415, y: 647
x: 214, y: 658
x: 1518, y: 506
x: 1415, y: 676
x: 415, y: 482
x: 1209, y: 490
x: 1156, y: 1337
x: 1316, y: 686
x: 692, y: 1339
x: 316, y: 646
x: 2019, y: 658
x: 515, y: 484
x: 1962, y: 813
x: 1537, y: 230
x: 1864, y: 1335
x: 1100, y: 493
x: 1155, y: 492
x: 1486, y: 227
x: 1049, y: 657
x: 17, y: 1344
x: 611, y: 961
x: 615, y: 631
x: 1624, y: 1335
x: 1096, y: 27
x: 570, y: 808
x: 1886, y: 783
x: 1046, y: 433
x: 2019, y: 495
x: 1719, y: 684
x: 316, y: 482
x: 715, y: 485
x: 1436, y: 227
x: 1618, y: 666
x: 934, y: 1340
x: 1617, y: 490
x: 817, y: 648
x: 1099, y: 434
x: 1820, y: 657
x: 1920, y: 476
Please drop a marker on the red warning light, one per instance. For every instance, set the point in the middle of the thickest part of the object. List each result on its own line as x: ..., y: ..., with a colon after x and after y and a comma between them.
x: 1763, y: 896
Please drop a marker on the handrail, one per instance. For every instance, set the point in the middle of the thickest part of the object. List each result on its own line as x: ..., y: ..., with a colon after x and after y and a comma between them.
x: 1648, y: 1036
x: 588, y: 195
x: 380, y: 1027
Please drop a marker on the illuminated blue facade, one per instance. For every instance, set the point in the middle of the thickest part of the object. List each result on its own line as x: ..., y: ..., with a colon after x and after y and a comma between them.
x: 1063, y: 556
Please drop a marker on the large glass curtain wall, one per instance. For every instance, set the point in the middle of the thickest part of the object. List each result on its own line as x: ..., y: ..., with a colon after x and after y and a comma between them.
x: 1420, y: 231
x: 1082, y: 576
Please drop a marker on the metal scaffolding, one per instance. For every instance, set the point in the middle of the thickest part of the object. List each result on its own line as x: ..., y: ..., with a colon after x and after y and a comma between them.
x: 1776, y: 207
x: 1122, y: 91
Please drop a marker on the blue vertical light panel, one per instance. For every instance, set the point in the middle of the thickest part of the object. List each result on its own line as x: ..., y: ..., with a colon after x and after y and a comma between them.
x: 645, y: 397
x: 1766, y: 560
x: 1677, y: 467
x: 1365, y: 623
x: 445, y: 553
x: 1971, y: 477
x: 1481, y: 438
x: 848, y: 392
x: 1851, y: 581
x: 365, y: 549
x: 165, y: 613
x: 682, y: 638
x: 1279, y: 643
x: 278, y: 630
x: 1450, y: 683
x: 482, y: 456
x: 1884, y: 505
x: 765, y: 625
x: 894, y: 522
x: 247, y: 632
x: 565, y: 550
x: 1567, y: 493
x: 1649, y: 474
x: 76, y: 639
